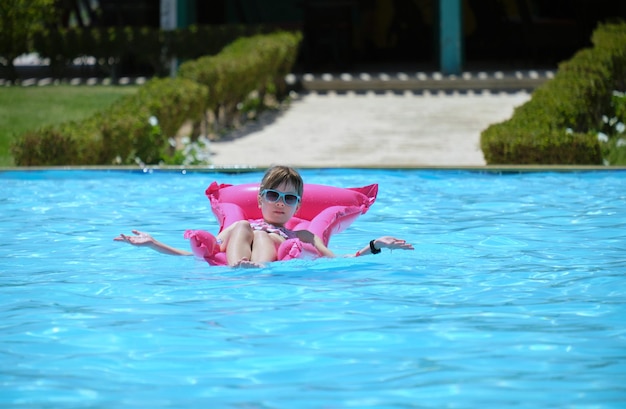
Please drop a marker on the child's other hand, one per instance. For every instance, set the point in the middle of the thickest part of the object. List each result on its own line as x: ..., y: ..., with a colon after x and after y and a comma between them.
x: 392, y: 243
x: 139, y: 238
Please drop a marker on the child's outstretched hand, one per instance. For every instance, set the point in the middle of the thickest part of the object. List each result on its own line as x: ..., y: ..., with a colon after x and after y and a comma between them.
x: 393, y: 243
x: 139, y: 238
x: 142, y: 239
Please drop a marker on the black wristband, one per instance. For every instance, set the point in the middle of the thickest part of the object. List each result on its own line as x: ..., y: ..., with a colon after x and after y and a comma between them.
x: 373, y: 249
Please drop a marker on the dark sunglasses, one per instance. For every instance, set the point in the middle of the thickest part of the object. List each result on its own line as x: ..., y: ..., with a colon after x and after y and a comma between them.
x: 274, y: 196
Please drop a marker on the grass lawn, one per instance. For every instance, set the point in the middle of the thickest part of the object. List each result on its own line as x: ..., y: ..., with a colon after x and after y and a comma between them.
x: 26, y: 108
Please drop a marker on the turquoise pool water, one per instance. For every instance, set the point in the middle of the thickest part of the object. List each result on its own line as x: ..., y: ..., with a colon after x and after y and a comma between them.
x: 514, y: 297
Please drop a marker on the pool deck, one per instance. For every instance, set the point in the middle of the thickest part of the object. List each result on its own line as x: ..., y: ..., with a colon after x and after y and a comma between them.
x: 379, y: 121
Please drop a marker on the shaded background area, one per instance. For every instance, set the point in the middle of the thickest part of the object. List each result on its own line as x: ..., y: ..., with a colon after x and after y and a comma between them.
x: 344, y: 35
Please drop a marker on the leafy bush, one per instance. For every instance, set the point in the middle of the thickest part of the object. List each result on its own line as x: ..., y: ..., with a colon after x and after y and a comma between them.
x: 19, y: 20
x: 612, y: 134
x: 173, y: 101
x: 70, y: 143
x: 139, y: 128
x: 122, y: 134
x: 276, y: 54
x: 558, y: 125
x: 247, y: 65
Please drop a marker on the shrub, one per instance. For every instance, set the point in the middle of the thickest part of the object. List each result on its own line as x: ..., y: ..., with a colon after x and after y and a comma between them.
x: 173, y: 101
x: 557, y: 126
x: 248, y: 64
x: 69, y: 143
x: 122, y: 134
x: 137, y: 128
x: 47, y: 146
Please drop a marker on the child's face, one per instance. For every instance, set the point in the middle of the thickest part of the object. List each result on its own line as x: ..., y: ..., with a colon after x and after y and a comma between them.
x: 278, y: 213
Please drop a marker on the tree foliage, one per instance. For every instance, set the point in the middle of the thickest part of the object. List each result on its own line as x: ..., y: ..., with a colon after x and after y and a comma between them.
x: 19, y: 20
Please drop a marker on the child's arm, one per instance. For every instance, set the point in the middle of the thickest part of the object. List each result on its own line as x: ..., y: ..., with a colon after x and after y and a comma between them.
x: 389, y: 242
x: 321, y: 247
x: 306, y: 236
x: 374, y: 247
x: 142, y: 239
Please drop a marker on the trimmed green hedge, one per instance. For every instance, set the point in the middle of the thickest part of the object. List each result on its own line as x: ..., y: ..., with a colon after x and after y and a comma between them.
x: 246, y: 65
x: 121, y: 134
x: 138, y: 128
x: 559, y: 124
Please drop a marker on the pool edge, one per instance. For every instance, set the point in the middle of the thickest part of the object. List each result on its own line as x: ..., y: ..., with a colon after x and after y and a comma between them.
x: 242, y: 169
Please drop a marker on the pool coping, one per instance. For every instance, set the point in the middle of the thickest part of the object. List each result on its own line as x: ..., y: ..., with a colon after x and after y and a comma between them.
x: 243, y: 169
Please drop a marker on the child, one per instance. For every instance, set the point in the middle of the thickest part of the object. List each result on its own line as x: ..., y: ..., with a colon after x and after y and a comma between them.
x: 254, y: 243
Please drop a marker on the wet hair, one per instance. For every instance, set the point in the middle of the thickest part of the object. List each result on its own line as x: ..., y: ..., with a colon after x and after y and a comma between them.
x: 277, y: 175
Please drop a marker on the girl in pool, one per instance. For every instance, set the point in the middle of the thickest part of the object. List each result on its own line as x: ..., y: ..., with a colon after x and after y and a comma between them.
x: 254, y: 243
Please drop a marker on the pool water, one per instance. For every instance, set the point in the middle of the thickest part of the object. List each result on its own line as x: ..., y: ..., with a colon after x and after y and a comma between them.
x: 514, y: 297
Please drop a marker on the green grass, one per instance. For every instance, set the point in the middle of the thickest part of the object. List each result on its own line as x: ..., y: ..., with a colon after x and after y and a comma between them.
x: 27, y: 108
